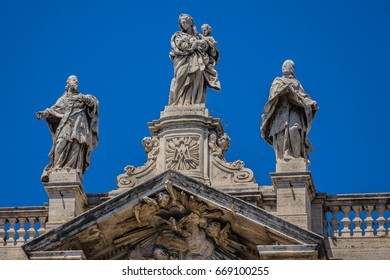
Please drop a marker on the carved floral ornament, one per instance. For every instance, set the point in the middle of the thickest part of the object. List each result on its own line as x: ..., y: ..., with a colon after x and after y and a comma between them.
x: 182, y: 153
x: 182, y: 228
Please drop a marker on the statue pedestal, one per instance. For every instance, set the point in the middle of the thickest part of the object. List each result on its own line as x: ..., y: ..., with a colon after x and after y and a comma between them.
x: 67, y: 198
x: 183, y: 137
x: 189, y: 140
x: 294, y: 194
x: 293, y: 165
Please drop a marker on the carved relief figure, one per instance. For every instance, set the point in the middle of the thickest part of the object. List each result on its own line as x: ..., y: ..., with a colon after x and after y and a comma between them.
x: 194, y: 57
x: 218, y: 146
x: 192, y: 229
x: 210, y: 47
x: 151, y: 147
x: 287, y: 117
x: 161, y: 253
x: 73, y: 124
x: 220, y: 235
x: 175, y: 225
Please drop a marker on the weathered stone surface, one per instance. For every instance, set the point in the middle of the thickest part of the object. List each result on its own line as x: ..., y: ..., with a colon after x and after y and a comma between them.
x: 288, y: 252
x: 12, y: 253
x: 294, y: 194
x: 63, y: 176
x: 293, y: 165
x: 167, y: 214
x: 359, y: 248
x: 57, y: 255
x: 67, y: 198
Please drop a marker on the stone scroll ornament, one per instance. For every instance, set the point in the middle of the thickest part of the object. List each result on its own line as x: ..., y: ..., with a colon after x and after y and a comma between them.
x: 73, y: 124
x: 194, y: 57
x: 218, y: 146
x: 287, y: 117
x: 132, y: 175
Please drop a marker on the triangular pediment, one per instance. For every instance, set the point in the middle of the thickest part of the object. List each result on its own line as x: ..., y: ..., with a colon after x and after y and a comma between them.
x: 174, y: 217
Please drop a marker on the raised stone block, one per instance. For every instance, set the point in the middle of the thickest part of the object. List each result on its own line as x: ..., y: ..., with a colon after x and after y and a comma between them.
x: 185, y: 110
x: 294, y: 194
x: 67, y: 198
x: 63, y: 176
x: 293, y: 165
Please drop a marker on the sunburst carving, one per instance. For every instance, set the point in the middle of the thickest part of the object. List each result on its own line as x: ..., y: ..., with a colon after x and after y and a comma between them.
x: 182, y: 153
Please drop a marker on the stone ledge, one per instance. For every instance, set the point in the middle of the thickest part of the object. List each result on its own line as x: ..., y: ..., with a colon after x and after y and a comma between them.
x: 196, y: 109
x: 57, y: 255
x: 288, y: 252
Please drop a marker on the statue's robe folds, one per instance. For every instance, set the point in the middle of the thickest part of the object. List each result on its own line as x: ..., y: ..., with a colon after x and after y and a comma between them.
x: 193, y: 71
x: 74, y: 129
x: 287, y: 119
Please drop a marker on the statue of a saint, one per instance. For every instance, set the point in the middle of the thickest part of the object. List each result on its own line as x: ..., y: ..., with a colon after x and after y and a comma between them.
x: 287, y: 116
x: 73, y: 124
x: 194, y: 58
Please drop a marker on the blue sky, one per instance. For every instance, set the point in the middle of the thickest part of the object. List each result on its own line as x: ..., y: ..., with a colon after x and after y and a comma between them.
x: 119, y: 50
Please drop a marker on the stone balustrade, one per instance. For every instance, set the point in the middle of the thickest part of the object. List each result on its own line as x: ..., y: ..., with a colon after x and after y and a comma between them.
x: 357, y: 215
x: 21, y: 224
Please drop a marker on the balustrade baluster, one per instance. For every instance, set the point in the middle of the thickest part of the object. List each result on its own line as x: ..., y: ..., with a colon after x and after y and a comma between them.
x: 334, y: 223
x: 381, y: 220
x: 42, y: 228
x: 31, y: 231
x: 357, y: 221
x: 11, y: 231
x: 388, y: 221
x: 2, y: 231
x: 369, y: 231
x: 21, y: 231
x: 345, y: 221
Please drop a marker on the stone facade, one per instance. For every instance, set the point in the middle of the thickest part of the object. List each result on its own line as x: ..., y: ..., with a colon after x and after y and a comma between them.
x: 187, y: 193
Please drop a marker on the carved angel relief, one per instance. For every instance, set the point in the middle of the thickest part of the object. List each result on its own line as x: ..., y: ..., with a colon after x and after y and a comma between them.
x: 182, y: 153
x: 219, y: 145
x: 151, y: 147
x: 184, y: 228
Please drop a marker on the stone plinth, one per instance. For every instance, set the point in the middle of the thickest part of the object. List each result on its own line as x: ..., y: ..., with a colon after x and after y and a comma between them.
x: 294, y: 194
x: 67, y: 198
x: 293, y: 165
x: 183, y: 133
